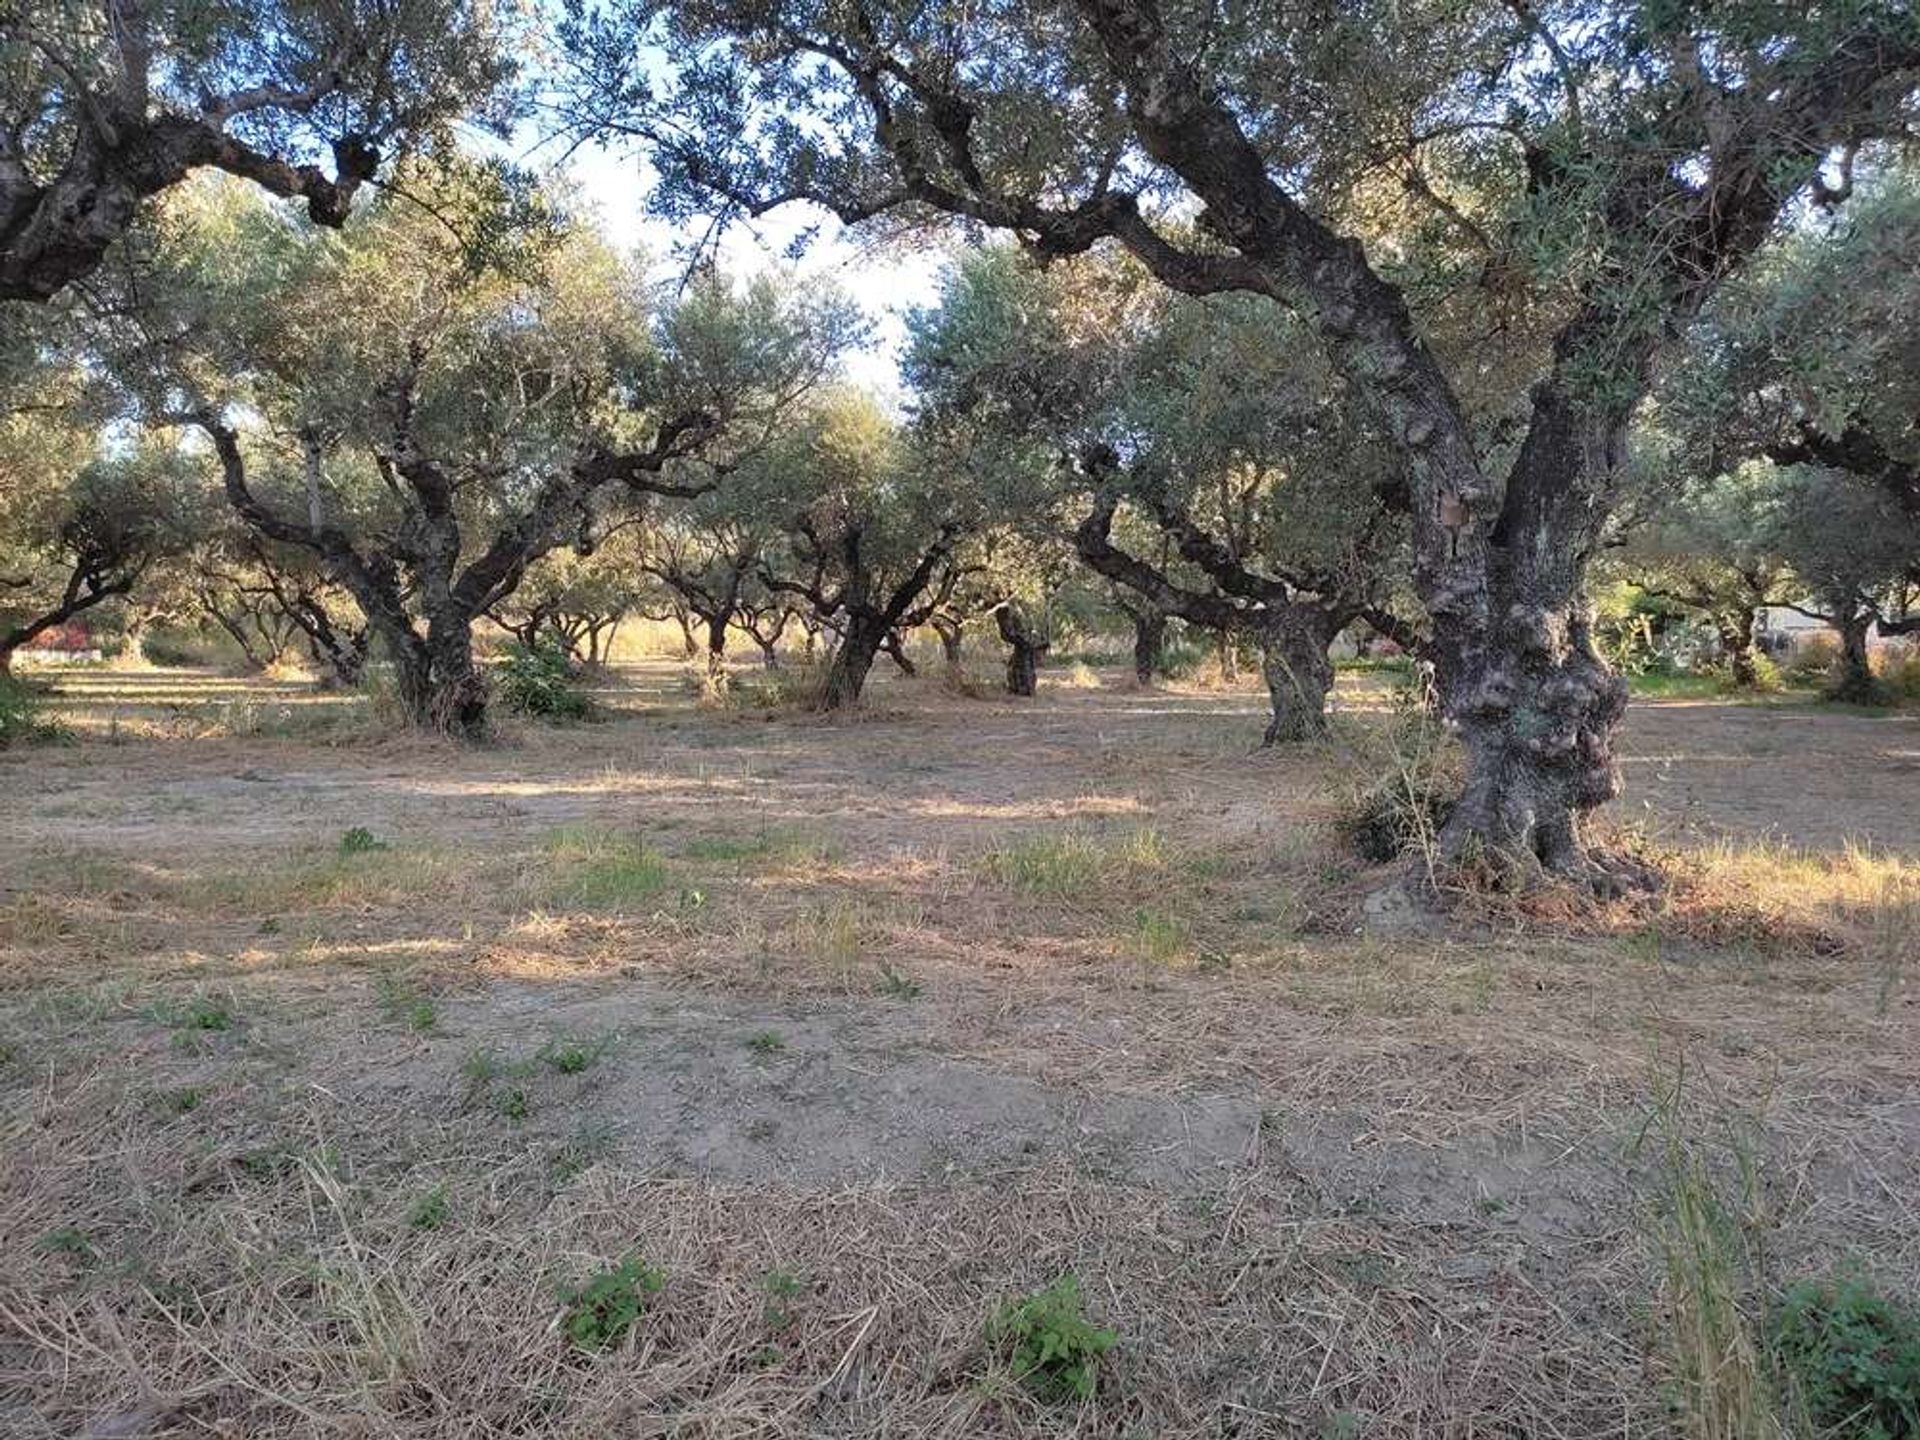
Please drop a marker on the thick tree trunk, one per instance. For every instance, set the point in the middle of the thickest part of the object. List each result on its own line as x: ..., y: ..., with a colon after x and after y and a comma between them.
x: 1736, y: 640
x: 1149, y: 645
x: 1538, y: 728
x: 852, y: 661
x: 1298, y: 672
x: 1026, y: 646
x: 1853, y: 681
x: 717, y: 651
x: 1519, y: 678
x: 439, y: 687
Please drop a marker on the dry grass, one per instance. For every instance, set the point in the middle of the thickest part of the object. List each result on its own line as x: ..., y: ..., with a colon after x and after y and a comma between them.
x: 1062, y: 987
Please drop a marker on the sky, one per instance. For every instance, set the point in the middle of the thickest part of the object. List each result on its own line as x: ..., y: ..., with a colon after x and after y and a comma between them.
x: 886, y: 286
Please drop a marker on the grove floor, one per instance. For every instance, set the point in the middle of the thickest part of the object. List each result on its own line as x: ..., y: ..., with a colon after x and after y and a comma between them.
x: 854, y: 1030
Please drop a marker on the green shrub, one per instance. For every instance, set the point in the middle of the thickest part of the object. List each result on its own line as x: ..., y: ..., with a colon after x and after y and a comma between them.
x: 1852, y: 1357
x: 610, y: 1303
x: 1049, y: 1342
x: 360, y: 841
x: 540, y: 680
x: 431, y: 1210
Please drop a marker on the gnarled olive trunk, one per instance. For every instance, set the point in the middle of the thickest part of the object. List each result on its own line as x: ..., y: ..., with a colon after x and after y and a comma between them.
x: 1298, y: 671
x: 1026, y: 645
x: 1735, y: 632
x: 1539, y: 745
x: 853, y: 660
x: 1149, y: 645
x: 717, y: 624
x: 1520, y: 679
x: 440, y: 689
x: 1853, y: 682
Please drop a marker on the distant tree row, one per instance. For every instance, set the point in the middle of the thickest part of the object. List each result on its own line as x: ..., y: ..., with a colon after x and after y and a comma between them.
x: 1411, y: 314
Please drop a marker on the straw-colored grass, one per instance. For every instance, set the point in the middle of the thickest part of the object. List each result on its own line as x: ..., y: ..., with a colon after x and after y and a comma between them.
x: 854, y: 1035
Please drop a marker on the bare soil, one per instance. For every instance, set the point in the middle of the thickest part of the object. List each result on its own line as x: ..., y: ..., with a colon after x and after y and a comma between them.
x: 882, y: 1021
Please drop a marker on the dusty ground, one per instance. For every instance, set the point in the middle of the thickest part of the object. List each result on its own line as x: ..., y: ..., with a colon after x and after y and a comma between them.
x: 855, y: 1030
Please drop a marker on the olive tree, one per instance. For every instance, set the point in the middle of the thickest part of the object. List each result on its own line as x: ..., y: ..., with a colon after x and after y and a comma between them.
x: 428, y: 420
x: 870, y: 541
x: 1710, y: 546
x: 85, y: 522
x: 1274, y: 504
x: 107, y: 103
x: 1855, y: 553
x: 1590, y: 174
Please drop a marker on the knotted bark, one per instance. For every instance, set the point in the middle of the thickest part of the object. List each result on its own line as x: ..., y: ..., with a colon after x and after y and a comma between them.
x: 1026, y: 646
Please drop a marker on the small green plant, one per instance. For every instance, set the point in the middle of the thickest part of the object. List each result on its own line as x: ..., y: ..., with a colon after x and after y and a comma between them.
x: 266, y: 1162
x: 1049, y: 1342
x: 513, y: 1103
x: 484, y: 1070
x: 181, y: 1101
x: 431, y: 1210
x: 571, y: 1056
x: 781, y: 1286
x: 729, y: 848
x: 205, y: 1013
x: 540, y: 680
x: 897, y: 984
x: 360, y: 841
x: 405, y: 1005
x: 482, y: 1067
x: 1851, y: 1357
x: 1160, y: 938
x: 590, y: 1144
x: 1059, y: 867
x: 610, y: 1303
x: 1068, y: 866
x: 72, y: 1242
x: 766, y: 1043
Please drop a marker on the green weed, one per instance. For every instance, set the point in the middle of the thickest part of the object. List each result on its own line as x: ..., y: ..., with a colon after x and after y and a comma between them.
x: 609, y: 1304
x: 361, y: 841
x: 1049, y: 1342
x: 1851, y: 1357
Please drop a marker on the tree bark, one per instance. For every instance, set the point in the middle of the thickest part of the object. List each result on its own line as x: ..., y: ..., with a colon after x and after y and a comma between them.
x: 1026, y: 646
x: 897, y: 652
x: 1149, y: 645
x: 717, y: 649
x: 853, y: 660
x: 1853, y: 678
x: 1736, y: 640
x: 1295, y: 663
